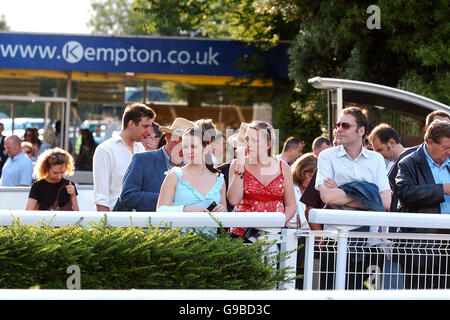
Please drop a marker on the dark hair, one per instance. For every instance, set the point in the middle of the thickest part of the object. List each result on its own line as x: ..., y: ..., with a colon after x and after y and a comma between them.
x: 135, y: 112
x: 156, y: 129
x: 440, y: 113
x: 437, y: 130
x: 208, y: 133
x: 360, y: 117
x: 34, y: 135
x: 319, y: 141
x: 291, y: 142
x: 384, y: 132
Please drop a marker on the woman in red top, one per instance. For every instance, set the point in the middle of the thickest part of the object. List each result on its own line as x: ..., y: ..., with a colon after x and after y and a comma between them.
x: 259, y: 182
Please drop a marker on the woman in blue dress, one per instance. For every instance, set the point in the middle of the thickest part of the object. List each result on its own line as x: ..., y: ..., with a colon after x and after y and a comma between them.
x: 198, y: 184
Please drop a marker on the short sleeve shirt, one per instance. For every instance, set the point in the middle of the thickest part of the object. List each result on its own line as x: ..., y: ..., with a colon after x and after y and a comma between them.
x: 45, y: 193
x: 336, y: 164
x: 18, y: 170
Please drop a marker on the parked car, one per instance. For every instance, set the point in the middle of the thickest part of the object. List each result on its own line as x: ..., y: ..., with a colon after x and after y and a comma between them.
x: 20, y: 124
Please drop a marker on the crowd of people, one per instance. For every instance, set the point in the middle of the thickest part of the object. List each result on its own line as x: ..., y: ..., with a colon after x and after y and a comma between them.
x: 152, y: 168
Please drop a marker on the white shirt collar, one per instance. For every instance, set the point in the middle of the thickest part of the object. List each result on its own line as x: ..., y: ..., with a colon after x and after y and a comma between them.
x: 341, y: 152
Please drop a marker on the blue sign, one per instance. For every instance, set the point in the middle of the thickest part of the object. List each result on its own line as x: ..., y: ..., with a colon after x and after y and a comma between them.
x: 177, y: 56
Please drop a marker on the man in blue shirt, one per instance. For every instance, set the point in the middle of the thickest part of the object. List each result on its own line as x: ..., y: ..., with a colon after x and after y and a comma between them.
x: 423, y: 184
x: 423, y: 179
x: 18, y: 169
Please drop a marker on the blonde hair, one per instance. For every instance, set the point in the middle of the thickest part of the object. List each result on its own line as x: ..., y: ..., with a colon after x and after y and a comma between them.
x: 306, y: 163
x: 51, y: 157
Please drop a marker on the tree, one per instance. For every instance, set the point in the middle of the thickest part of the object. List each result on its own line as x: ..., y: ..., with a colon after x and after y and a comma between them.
x: 117, y: 17
x: 330, y: 38
x: 3, y: 25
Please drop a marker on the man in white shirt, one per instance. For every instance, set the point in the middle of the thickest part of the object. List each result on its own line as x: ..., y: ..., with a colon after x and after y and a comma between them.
x: 351, y: 162
x: 113, y: 156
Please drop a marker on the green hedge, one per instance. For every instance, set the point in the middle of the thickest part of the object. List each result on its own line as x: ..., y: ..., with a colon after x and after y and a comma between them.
x: 126, y: 258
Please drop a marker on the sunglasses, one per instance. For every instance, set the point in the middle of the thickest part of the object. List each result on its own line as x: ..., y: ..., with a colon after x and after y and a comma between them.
x: 59, y: 157
x: 345, y: 125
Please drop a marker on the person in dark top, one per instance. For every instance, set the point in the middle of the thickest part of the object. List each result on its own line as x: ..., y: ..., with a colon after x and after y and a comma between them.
x: 52, y: 191
x: 86, y: 150
x: 386, y: 142
x: 311, y: 197
x: 3, y: 153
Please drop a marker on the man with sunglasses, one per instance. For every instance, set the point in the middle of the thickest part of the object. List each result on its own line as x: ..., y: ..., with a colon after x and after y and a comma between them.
x: 350, y: 164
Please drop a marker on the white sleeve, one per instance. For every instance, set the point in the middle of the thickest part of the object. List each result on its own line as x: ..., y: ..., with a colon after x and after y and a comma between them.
x: 324, y: 168
x: 382, y: 175
x: 101, y: 170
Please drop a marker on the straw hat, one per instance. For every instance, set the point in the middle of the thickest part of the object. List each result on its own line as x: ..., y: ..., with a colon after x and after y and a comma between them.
x: 178, y: 126
x: 238, y: 139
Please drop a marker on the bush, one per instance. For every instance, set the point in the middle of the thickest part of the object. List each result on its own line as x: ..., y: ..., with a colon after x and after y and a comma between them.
x: 126, y: 258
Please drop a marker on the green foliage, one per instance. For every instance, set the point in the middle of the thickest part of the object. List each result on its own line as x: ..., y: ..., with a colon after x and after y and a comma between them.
x: 117, y: 17
x: 294, y: 118
x: 126, y: 258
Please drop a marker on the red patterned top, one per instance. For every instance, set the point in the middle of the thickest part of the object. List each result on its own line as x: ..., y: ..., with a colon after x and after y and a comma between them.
x: 260, y: 198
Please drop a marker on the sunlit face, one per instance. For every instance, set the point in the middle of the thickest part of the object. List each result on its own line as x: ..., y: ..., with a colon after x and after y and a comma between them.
x: 439, y: 152
x: 143, y: 128
x: 56, y: 173
x: 174, y: 148
x: 385, y: 149
x: 193, y: 151
x: 12, y: 148
x: 347, y: 131
x: 257, y: 144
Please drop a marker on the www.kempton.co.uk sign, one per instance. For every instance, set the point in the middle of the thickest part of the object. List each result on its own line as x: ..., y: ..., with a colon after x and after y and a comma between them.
x: 177, y: 56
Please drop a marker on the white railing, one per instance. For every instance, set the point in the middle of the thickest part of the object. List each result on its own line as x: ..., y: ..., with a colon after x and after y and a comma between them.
x: 432, y: 247
x: 15, y: 198
x: 270, y: 222
x: 142, y: 219
x: 286, y: 239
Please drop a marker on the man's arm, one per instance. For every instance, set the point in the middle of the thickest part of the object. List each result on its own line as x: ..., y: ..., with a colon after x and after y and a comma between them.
x: 337, y: 197
x: 101, y: 171
x: 330, y: 193
x: 132, y: 195
x: 413, y: 194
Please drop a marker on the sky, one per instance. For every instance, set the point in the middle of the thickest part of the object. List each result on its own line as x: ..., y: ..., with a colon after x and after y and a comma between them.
x: 47, y: 16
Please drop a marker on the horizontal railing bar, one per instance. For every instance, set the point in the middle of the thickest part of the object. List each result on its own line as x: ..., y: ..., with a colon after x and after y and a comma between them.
x: 388, y: 236
x: 142, y: 219
x: 337, y: 217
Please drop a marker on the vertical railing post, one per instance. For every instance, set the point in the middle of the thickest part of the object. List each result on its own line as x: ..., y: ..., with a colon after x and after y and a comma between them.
x: 341, y: 259
x: 309, y: 259
x: 289, y: 242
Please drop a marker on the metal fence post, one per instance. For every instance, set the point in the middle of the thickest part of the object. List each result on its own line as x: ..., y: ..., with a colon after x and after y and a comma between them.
x: 309, y: 259
x: 341, y: 259
x: 289, y: 241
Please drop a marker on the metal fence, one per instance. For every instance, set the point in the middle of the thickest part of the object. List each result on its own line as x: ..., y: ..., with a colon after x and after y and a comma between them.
x: 348, y: 260
x: 328, y: 260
